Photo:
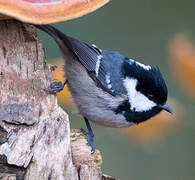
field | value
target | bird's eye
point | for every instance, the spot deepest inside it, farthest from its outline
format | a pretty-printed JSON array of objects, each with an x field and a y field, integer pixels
[{"x": 150, "y": 96}]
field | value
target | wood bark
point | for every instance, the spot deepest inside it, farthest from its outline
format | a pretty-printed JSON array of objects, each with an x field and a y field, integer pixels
[{"x": 35, "y": 138}]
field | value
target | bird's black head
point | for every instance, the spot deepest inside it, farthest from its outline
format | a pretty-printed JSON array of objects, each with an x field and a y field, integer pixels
[
  {"x": 146, "y": 91},
  {"x": 149, "y": 80}
]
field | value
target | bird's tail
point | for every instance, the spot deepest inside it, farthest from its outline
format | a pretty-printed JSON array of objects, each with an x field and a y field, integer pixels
[
  {"x": 53, "y": 32},
  {"x": 61, "y": 39}
]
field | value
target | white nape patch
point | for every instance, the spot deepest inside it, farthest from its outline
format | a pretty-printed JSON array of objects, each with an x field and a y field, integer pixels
[
  {"x": 146, "y": 67},
  {"x": 108, "y": 81},
  {"x": 137, "y": 100},
  {"x": 97, "y": 66}
]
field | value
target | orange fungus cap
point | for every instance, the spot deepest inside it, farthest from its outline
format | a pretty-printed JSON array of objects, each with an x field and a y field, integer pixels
[{"x": 47, "y": 11}]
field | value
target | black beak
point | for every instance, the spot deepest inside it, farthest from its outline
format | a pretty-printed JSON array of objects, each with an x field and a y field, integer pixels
[{"x": 167, "y": 108}]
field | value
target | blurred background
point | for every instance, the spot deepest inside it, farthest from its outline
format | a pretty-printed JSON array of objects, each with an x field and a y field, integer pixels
[{"x": 153, "y": 32}]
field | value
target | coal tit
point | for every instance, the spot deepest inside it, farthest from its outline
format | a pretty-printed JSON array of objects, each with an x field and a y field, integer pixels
[{"x": 108, "y": 88}]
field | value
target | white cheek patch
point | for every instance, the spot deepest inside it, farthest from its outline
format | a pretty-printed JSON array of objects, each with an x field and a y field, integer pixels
[
  {"x": 137, "y": 100},
  {"x": 146, "y": 67}
]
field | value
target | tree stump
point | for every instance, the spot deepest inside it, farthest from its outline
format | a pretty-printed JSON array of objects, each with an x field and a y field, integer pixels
[{"x": 35, "y": 141}]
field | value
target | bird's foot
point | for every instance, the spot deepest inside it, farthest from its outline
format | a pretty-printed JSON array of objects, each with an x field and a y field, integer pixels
[
  {"x": 56, "y": 87},
  {"x": 90, "y": 139}
]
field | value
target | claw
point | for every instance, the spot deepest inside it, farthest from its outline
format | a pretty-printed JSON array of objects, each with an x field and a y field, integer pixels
[
  {"x": 55, "y": 87},
  {"x": 90, "y": 141}
]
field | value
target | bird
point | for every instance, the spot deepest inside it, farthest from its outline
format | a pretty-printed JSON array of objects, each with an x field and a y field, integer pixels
[{"x": 108, "y": 89}]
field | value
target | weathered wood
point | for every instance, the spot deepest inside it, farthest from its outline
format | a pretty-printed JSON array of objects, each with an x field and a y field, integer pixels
[
  {"x": 38, "y": 129},
  {"x": 34, "y": 130},
  {"x": 4, "y": 17},
  {"x": 88, "y": 165}
]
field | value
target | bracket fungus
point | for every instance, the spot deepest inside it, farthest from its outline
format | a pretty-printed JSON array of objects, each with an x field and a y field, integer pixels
[{"x": 47, "y": 11}]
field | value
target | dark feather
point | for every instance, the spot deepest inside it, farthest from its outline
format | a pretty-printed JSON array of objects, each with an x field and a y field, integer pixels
[{"x": 87, "y": 55}]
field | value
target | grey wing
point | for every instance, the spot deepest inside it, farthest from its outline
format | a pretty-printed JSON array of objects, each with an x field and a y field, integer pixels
[
  {"x": 94, "y": 62},
  {"x": 90, "y": 57}
]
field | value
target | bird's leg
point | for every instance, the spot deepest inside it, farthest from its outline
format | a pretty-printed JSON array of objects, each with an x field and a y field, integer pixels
[
  {"x": 89, "y": 135},
  {"x": 55, "y": 88}
]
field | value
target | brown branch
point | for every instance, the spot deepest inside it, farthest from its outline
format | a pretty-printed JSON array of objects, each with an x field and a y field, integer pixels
[{"x": 34, "y": 130}]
